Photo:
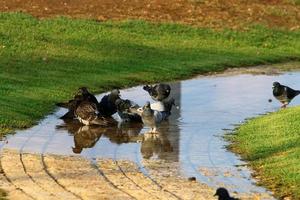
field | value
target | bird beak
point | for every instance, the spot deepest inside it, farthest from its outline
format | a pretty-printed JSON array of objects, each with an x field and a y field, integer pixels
[{"x": 215, "y": 194}]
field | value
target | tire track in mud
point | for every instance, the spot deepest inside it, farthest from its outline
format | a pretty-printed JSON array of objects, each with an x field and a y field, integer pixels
[
  {"x": 131, "y": 180},
  {"x": 23, "y": 164},
  {"x": 30, "y": 177},
  {"x": 45, "y": 168},
  {"x": 116, "y": 163},
  {"x": 101, "y": 173},
  {"x": 143, "y": 170},
  {"x": 10, "y": 181},
  {"x": 6, "y": 176}
]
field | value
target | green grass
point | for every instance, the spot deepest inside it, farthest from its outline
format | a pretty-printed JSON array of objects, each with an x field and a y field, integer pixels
[
  {"x": 45, "y": 61},
  {"x": 272, "y": 145}
]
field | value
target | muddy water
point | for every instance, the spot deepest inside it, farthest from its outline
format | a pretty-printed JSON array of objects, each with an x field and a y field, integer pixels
[{"x": 191, "y": 139}]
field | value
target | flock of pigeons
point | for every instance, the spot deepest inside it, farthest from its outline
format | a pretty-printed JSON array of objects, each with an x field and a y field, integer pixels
[{"x": 87, "y": 110}]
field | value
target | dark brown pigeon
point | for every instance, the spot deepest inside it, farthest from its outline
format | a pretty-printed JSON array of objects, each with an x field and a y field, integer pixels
[
  {"x": 82, "y": 95},
  {"x": 87, "y": 113}
]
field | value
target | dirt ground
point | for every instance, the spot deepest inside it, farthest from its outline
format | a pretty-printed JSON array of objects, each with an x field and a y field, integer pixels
[
  {"x": 34, "y": 176},
  {"x": 31, "y": 176},
  {"x": 206, "y": 13}
]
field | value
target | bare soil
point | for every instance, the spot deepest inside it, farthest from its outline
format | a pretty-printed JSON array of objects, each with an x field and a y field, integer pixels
[
  {"x": 35, "y": 176},
  {"x": 204, "y": 13}
]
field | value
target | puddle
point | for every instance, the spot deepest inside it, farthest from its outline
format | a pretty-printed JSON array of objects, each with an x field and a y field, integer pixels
[{"x": 191, "y": 140}]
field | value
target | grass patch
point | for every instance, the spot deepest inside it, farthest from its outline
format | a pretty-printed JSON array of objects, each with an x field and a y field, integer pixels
[
  {"x": 272, "y": 145},
  {"x": 44, "y": 61}
]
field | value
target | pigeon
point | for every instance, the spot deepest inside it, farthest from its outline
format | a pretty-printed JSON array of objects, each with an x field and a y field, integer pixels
[
  {"x": 82, "y": 94},
  {"x": 83, "y": 91},
  {"x": 152, "y": 118},
  {"x": 284, "y": 94},
  {"x": 123, "y": 107},
  {"x": 223, "y": 194},
  {"x": 107, "y": 106},
  {"x": 87, "y": 113},
  {"x": 164, "y": 106},
  {"x": 158, "y": 92}
]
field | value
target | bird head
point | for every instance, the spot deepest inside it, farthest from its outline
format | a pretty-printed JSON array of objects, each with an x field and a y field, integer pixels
[
  {"x": 114, "y": 95},
  {"x": 147, "y": 105},
  {"x": 276, "y": 84},
  {"x": 82, "y": 91},
  {"x": 222, "y": 192}
]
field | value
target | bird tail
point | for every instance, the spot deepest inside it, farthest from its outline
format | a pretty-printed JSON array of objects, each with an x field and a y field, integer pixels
[
  {"x": 297, "y": 92},
  {"x": 63, "y": 104},
  {"x": 99, "y": 121},
  {"x": 104, "y": 121},
  {"x": 68, "y": 115}
]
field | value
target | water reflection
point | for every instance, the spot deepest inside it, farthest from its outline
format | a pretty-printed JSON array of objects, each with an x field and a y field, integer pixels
[
  {"x": 206, "y": 107},
  {"x": 157, "y": 146},
  {"x": 153, "y": 145}
]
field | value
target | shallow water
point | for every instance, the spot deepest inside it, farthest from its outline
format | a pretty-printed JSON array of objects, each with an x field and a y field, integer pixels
[{"x": 191, "y": 137}]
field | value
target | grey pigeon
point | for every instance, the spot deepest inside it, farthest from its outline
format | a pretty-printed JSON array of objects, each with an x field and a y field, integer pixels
[
  {"x": 82, "y": 95},
  {"x": 223, "y": 194},
  {"x": 284, "y": 94},
  {"x": 87, "y": 113},
  {"x": 152, "y": 118},
  {"x": 123, "y": 109},
  {"x": 158, "y": 92},
  {"x": 107, "y": 106}
]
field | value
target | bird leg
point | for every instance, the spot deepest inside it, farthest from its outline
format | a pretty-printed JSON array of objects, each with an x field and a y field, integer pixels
[
  {"x": 154, "y": 130},
  {"x": 284, "y": 105}
]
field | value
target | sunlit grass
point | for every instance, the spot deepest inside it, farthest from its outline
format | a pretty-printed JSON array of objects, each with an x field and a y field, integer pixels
[
  {"x": 45, "y": 61},
  {"x": 272, "y": 145}
]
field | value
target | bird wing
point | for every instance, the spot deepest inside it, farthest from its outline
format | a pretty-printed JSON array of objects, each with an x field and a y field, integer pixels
[
  {"x": 158, "y": 116},
  {"x": 291, "y": 93},
  {"x": 86, "y": 110}
]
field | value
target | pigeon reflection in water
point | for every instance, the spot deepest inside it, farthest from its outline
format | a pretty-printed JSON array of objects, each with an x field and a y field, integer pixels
[
  {"x": 124, "y": 133},
  {"x": 84, "y": 136},
  {"x": 156, "y": 145}
]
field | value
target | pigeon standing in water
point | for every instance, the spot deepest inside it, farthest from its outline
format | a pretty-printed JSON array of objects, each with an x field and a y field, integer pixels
[
  {"x": 158, "y": 92},
  {"x": 82, "y": 95},
  {"x": 284, "y": 94},
  {"x": 123, "y": 108},
  {"x": 88, "y": 114},
  {"x": 152, "y": 118},
  {"x": 223, "y": 194},
  {"x": 107, "y": 106}
]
